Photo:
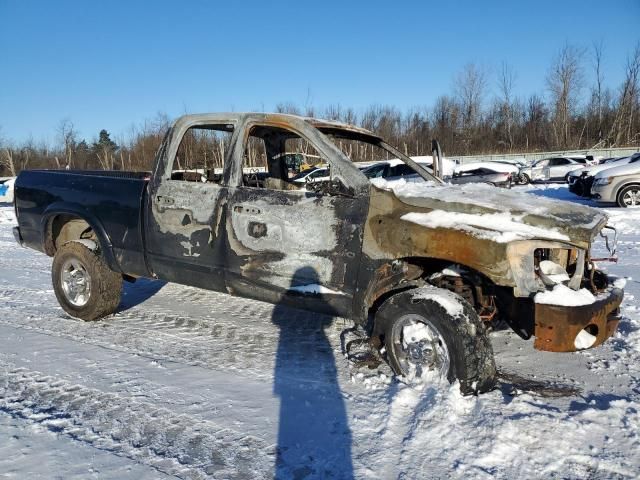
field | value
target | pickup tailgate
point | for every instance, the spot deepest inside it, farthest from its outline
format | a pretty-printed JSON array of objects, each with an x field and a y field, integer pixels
[{"x": 110, "y": 201}]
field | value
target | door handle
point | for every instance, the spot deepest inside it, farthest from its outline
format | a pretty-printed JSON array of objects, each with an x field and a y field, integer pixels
[
  {"x": 165, "y": 200},
  {"x": 243, "y": 209}
]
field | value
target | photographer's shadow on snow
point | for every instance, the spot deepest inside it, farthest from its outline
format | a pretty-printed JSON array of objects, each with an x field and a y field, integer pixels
[
  {"x": 314, "y": 439},
  {"x": 138, "y": 292}
]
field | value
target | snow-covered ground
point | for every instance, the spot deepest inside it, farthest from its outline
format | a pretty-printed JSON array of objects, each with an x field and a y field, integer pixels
[{"x": 188, "y": 383}]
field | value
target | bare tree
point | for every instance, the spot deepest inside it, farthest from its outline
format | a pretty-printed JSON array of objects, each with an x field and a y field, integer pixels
[
  {"x": 7, "y": 160},
  {"x": 6, "y": 156},
  {"x": 597, "y": 90},
  {"x": 506, "y": 82},
  {"x": 564, "y": 80},
  {"x": 623, "y": 126},
  {"x": 470, "y": 88},
  {"x": 68, "y": 137}
]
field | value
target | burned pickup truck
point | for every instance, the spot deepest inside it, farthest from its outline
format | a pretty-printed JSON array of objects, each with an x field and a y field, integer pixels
[{"x": 424, "y": 268}]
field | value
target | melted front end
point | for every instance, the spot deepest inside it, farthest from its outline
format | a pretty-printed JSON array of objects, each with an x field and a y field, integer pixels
[{"x": 579, "y": 308}]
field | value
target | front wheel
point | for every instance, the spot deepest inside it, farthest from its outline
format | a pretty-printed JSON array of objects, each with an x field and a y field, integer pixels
[
  {"x": 523, "y": 179},
  {"x": 83, "y": 283},
  {"x": 432, "y": 329},
  {"x": 629, "y": 196}
]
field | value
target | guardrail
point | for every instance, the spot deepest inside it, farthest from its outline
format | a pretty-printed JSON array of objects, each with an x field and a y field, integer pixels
[{"x": 531, "y": 156}]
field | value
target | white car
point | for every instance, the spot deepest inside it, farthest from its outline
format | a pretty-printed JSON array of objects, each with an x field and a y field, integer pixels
[
  {"x": 312, "y": 175},
  {"x": 619, "y": 184},
  {"x": 581, "y": 179},
  {"x": 6, "y": 189},
  {"x": 478, "y": 172},
  {"x": 551, "y": 169}
]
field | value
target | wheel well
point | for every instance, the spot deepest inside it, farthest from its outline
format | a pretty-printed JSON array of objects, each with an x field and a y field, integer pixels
[
  {"x": 63, "y": 228},
  {"x": 631, "y": 184},
  {"x": 481, "y": 287}
]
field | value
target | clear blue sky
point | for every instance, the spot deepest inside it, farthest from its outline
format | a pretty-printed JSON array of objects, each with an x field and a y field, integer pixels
[{"x": 114, "y": 64}]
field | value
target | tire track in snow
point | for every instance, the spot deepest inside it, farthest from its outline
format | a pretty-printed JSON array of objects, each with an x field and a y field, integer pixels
[
  {"x": 212, "y": 341},
  {"x": 177, "y": 444}
]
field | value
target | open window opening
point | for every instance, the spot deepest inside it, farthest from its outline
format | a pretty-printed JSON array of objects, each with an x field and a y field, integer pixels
[
  {"x": 201, "y": 154},
  {"x": 279, "y": 159},
  {"x": 376, "y": 159}
]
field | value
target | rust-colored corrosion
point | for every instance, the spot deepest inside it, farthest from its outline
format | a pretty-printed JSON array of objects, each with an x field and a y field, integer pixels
[
  {"x": 556, "y": 327},
  {"x": 388, "y": 277}
]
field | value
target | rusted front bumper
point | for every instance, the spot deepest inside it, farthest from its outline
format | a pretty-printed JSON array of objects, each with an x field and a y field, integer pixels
[{"x": 556, "y": 327}]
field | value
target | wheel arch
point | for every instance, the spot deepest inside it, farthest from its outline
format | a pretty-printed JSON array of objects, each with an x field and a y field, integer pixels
[
  {"x": 633, "y": 183},
  {"x": 58, "y": 216},
  {"x": 400, "y": 275}
]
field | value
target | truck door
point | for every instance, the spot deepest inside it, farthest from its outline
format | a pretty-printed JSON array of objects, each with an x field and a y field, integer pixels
[
  {"x": 289, "y": 242},
  {"x": 186, "y": 204}
]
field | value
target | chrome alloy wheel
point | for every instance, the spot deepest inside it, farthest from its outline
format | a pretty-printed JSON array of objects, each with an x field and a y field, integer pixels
[
  {"x": 76, "y": 282},
  {"x": 631, "y": 197},
  {"x": 420, "y": 347}
]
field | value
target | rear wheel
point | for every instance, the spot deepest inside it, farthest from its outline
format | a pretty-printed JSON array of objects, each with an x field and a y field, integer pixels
[
  {"x": 629, "y": 197},
  {"x": 83, "y": 283},
  {"x": 430, "y": 329}
]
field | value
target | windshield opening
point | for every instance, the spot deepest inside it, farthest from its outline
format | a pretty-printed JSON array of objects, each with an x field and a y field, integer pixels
[{"x": 367, "y": 152}]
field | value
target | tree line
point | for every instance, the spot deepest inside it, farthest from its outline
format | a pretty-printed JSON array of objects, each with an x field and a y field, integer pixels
[{"x": 480, "y": 115}]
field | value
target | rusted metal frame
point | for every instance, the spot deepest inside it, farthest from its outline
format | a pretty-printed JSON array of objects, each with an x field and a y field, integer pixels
[
  {"x": 341, "y": 167},
  {"x": 177, "y": 132}
]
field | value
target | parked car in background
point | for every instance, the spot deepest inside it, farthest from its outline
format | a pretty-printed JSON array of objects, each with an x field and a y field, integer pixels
[
  {"x": 470, "y": 173},
  {"x": 619, "y": 184},
  {"x": 6, "y": 189},
  {"x": 392, "y": 170},
  {"x": 581, "y": 180},
  {"x": 495, "y": 166},
  {"x": 311, "y": 175},
  {"x": 493, "y": 173},
  {"x": 608, "y": 160},
  {"x": 554, "y": 169},
  {"x": 519, "y": 161}
]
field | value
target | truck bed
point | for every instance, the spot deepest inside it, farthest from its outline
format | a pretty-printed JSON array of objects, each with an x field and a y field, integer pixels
[{"x": 111, "y": 202}]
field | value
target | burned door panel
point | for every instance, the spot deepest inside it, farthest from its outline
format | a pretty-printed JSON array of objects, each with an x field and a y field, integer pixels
[
  {"x": 182, "y": 235},
  {"x": 294, "y": 244}
]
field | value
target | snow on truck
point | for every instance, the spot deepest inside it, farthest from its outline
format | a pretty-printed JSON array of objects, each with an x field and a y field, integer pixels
[{"x": 423, "y": 267}]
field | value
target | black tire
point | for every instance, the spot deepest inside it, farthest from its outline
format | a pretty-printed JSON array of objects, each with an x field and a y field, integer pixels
[
  {"x": 566, "y": 178},
  {"x": 579, "y": 188},
  {"x": 464, "y": 334},
  {"x": 523, "y": 179},
  {"x": 105, "y": 286},
  {"x": 629, "y": 189}
]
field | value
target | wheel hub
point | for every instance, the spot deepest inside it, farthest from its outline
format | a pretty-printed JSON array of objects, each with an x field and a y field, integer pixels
[
  {"x": 632, "y": 198},
  {"x": 76, "y": 283},
  {"x": 422, "y": 347}
]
